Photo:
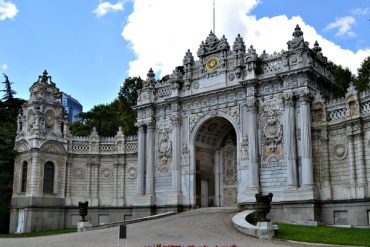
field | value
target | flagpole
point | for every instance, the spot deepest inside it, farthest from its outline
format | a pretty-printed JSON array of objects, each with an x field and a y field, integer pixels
[{"x": 214, "y": 13}]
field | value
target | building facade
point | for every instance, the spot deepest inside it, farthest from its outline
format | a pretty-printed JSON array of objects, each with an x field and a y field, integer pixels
[
  {"x": 71, "y": 106},
  {"x": 221, "y": 129}
]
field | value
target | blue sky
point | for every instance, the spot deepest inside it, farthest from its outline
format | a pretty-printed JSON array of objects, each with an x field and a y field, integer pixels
[{"x": 91, "y": 46}]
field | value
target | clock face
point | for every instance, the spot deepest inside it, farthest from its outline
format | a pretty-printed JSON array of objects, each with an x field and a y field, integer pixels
[{"x": 212, "y": 63}]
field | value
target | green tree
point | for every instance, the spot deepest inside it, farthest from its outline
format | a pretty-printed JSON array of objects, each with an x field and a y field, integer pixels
[
  {"x": 109, "y": 117},
  {"x": 8, "y": 91},
  {"x": 363, "y": 78},
  {"x": 9, "y": 110},
  {"x": 129, "y": 90},
  {"x": 342, "y": 77}
]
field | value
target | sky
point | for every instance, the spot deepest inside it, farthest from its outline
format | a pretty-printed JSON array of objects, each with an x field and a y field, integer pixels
[{"x": 89, "y": 46}]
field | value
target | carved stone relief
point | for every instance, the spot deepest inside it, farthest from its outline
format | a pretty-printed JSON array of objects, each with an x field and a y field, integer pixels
[
  {"x": 106, "y": 173},
  {"x": 185, "y": 159},
  {"x": 340, "y": 151},
  {"x": 165, "y": 146},
  {"x": 78, "y": 172},
  {"x": 272, "y": 131},
  {"x": 131, "y": 171},
  {"x": 164, "y": 151},
  {"x": 229, "y": 197},
  {"x": 229, "y": 173},
  {"x": 244, "y": 145}
]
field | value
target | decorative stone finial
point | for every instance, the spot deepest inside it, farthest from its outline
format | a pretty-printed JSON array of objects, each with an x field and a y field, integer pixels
[
  {"x": 188, "y": 59},
  {"x": 239, "y": 45},
  {"x": 297, "y": 41},
  {"x": 150, "y": 75},
  {"x": 297, "y": 32},
  {"x": 44, "y": 77},
  {"x": 316, "y": 47}
]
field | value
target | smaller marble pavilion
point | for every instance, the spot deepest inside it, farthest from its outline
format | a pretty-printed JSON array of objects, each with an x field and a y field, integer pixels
[{"x": 223, "y": 127}]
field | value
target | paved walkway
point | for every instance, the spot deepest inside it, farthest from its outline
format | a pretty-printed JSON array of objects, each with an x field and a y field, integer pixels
[{"x": 209, "y": 227}]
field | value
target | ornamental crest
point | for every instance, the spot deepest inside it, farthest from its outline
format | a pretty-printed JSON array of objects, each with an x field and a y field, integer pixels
[
  {"x": 245, "y": 147},
  {"x": 165, "y": 146},
  {"x": 272, "y": 131}
]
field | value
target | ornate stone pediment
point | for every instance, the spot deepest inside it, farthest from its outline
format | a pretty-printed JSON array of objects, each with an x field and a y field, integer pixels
[
  {"x": 52, "y": 147},
  {"x": 22, "y": 146}
]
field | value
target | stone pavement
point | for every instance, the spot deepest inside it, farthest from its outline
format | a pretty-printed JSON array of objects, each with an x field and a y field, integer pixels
[{"x": 202, "y": 227}]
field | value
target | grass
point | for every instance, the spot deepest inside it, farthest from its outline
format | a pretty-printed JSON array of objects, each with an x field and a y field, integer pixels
[
  {"x": 324, "y": 234},
  {"x": 38, "y": 234}
]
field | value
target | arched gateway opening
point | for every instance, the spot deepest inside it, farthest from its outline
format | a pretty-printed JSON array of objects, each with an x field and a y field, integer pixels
[{"x": 215, "y": 164}]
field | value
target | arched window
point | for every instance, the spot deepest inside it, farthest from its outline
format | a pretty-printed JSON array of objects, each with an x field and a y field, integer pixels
[
  {"x": 24, "y": 176},
  {"x": 49, "y": 177}
]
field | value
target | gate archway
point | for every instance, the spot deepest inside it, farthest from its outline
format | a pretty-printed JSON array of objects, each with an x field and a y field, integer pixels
[{"x": 214, "y": 162}]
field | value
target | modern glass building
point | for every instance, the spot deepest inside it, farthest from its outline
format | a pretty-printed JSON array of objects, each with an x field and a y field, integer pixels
[{"x": 71, "y": 106}]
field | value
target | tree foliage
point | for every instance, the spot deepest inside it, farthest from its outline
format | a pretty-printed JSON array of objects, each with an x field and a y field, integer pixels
[
  {"x": 343, "y": 77},
  {"x": 9, "y": 110},
  {"x": 363, "y": 76},
  {"x": 8, "y": 91},
  {"x": 107, "y": 118}
]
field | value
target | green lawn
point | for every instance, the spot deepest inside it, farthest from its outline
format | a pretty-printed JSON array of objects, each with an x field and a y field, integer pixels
[
  {"x": 37, "y": 234},
  {"x": 324, "y": 234}
]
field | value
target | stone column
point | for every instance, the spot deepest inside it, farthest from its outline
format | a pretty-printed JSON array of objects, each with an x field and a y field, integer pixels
[
  {"x": 34, "y": 179},
  {"x": 218, "y": 177},
  {"x": 150, "y": 158},
  {"x": 306, "y": 140},
  {"x": 351, "y": 158},
  {"x": 115, "y": 184},
  {"x": 176, "y": 153},
  {"x": 361, "y": 169},
  {"x": 141, "y": 160},
  {"x": 290, "y": 141},
  {"x": 253, "y": 145},
  {"x": 95, "y": 180},
  {"x": 89, "y": 172},
  {"x": 68, "y": 180}
]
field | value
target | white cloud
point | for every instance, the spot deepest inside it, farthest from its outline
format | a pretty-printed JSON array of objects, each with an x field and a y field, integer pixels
[
  {"x": 344, "y": 26},
  {"x": 8, "y": 10},
  {"x": 160, "y": 32},
  {"x": 106, "y": 7},
  {"x": 4, "y": 66},
  {"x": 360, "y": 11}
]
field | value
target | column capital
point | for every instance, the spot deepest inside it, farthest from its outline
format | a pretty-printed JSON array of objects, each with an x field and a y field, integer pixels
[
  {"x": 289, "y": 98},
  {"x": 150, "y": 124},
  {"x": 251, "y": 104},
  {"x": 176, "y": 119},
  {"x": 305, "y": 96}
]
